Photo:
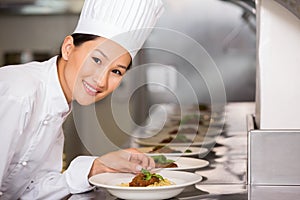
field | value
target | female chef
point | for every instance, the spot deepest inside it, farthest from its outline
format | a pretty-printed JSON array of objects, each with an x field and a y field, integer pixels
[{"x": 35, "y": 100}]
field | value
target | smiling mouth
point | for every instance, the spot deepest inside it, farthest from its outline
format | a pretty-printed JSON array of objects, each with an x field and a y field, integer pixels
[{"x": 90, "y": 89}]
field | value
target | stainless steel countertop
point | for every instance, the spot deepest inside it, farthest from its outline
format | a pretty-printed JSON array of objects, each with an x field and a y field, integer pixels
[{"x": 226, "y": 176}]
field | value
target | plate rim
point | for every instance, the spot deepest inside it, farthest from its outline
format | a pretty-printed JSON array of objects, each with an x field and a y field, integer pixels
[
  {"x": 206, "y": 163},
  {"x": 210, "y": 141},
  {"x": 193, "y": 153},
  {"x": 197, "y": 177}
]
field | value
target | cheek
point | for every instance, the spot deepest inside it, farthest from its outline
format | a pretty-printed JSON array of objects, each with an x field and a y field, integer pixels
[
  {"x": 114, "y": 83},
  {"x": 71, "y": 75},
  {"x": 85, "y": 70},
  {"x": 74, "y": 68}
]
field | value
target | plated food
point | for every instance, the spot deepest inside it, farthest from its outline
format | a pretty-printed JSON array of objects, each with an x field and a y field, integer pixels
[
  {"x": 175, "y": 151},
  {"x": 162, "y": 161},
  {"x": 112, "y": 181},
  {"x": 166, "y": 149},
  {"x": 186, "y": 163},
  {"x": 186, "y": 140},
  {"x": 189, "y": 119},
  {"x": 147, "y": 179},
  {"x": 210, "y": 131},
  {"x": 180, "y": 138},
  {"x": 179, "y": 163},
  {"x": 184, "y": 130}
]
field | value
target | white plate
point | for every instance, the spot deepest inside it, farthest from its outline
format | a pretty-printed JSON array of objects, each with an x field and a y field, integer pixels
[
  {"x": 195, "y": 151},
  {"x": 181, "y": 129},
  {"x": 210, "y": 131},
  {"x": 222, "y": 189},
  {"x": 185, "y": 163},
  {"x": 204, "y": 130},
  {"x": 215, "y": 123},
  {"x": 156, "y": 140},
  {"x": 110, "y": 181}
]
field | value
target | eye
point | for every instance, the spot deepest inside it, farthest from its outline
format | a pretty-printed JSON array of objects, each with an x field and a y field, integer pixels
[
  {"x": 97, "y": 60},
  {"x": 116, "y": 71}
]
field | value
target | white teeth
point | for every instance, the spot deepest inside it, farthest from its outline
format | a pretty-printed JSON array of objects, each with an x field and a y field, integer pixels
[{"x": 89, "y": 87}]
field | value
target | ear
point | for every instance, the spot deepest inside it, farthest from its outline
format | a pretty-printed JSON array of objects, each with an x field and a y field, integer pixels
[{"x": 67, "y": 47}]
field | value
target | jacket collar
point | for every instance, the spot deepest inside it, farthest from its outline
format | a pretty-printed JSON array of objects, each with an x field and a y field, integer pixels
[{"x": 58, "y": 101}]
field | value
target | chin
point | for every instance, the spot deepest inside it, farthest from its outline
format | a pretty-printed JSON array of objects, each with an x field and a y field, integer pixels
[{"x": 85, "y": 102}]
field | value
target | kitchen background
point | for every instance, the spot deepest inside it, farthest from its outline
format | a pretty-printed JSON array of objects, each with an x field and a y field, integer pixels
[{"x": 34, "y": 30}]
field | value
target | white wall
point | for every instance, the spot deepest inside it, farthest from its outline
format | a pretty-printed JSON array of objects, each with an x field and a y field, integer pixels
[{"x": 278, "y": 70}]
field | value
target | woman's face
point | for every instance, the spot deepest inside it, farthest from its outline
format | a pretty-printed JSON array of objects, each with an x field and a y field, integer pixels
[{"x": 94, "y": 69}]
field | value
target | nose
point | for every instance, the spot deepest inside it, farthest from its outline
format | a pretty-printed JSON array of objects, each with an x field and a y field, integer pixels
[{"x": 101, "y": 79}]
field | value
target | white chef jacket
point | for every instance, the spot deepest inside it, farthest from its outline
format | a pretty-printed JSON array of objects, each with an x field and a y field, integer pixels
[{"x": 32, "y": 110}]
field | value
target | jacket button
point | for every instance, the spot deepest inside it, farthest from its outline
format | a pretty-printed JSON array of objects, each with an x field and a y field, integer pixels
[
  {"x": 45, "y": 122},
  {"x": 24, "y": 163}
]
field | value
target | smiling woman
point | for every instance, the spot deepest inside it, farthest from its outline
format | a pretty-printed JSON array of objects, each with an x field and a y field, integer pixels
[
  {"x": 35, "y": 99},
  {"x": 90, "y": 71}
]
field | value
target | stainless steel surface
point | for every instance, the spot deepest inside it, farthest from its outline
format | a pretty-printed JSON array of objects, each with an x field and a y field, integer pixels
[
  {"x": 273, "y": 156},
  {"x": 274, "y": 192},
  {"x": 225, "y": 177}
]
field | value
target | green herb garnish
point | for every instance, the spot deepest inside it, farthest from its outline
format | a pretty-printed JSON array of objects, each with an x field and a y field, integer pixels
[
  {"x": 158, "y": 176},
  {"x": 148, "y": 175},
  {"x": 161, "y": 159},
  {"x": 188, "y": 118},
  {"x": 181, "y": 138},
  {"x": 188, "y": 151}
]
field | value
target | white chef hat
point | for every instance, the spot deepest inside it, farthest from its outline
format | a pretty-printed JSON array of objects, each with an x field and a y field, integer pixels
[{"x": 127, "y": 22}]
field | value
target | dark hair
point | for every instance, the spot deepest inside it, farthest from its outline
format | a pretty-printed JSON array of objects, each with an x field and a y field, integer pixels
[{"x": 80, "y": 38}]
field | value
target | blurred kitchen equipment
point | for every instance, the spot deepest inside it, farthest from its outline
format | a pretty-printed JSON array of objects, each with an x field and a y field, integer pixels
[
  {"x": 248, "y": 19},
  {"x": 19, "y": 57},
  {"x": 40, "y": 7}
]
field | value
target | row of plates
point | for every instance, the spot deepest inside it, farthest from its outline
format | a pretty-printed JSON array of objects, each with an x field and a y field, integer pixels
[
  {"x": 196, "y": 141},
  {"x": 181, "y": 175}
]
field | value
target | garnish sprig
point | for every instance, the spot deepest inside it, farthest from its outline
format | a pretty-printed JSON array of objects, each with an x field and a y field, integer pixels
[{"x": 148, "y": 175}]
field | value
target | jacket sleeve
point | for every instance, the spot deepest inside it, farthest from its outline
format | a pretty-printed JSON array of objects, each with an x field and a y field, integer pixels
[
  {"x": 51, "y": 183},
  {"x": 13, "y": 112}
]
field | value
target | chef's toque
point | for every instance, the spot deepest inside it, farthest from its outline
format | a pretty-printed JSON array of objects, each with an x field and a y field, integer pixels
[{"x": 126, "y": 22}]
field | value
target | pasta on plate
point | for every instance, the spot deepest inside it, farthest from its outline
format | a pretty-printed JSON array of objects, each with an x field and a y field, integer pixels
[{"x": 147, "y": 179}]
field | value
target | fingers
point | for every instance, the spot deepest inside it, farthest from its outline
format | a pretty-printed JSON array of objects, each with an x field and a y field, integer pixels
[
  {"x": 145, "y": 161},
  {"x": 128, "y": 160},
  {"x": 133, "y": 150}
]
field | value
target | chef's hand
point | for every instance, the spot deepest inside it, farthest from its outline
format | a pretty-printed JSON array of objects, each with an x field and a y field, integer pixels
[{"x": 127, "y": 160}]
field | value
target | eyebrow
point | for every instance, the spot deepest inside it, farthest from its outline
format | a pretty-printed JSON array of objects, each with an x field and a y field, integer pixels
[
  {"x": 102, "y": 53},
  {"x": 122, "y": 66},
  {"x": 105, "y": 56}
]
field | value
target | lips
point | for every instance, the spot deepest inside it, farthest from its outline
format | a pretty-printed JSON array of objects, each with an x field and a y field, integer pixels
[{"x": 90, "y": 89}]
